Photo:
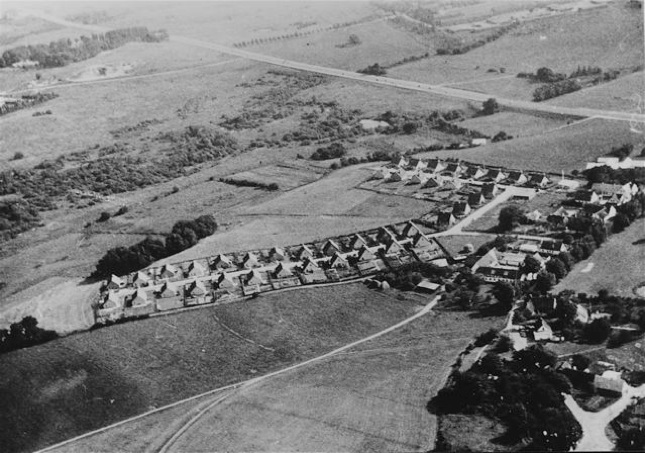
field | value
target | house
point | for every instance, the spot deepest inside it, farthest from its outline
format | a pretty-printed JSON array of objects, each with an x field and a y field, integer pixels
[
  {"x": 400, "y": 161},
  {"x": 417, "y": 179},
  {"x": 478, "y": 142},
  {"x": 169, "y": 271},
  {"x": 115, "y": 282},
  {"x": 420, "y": 241},
  {"x": 453, "y": 169},
  {"x": 552, "y": 247},
  {"x": 110, "y": 302},
  {"x": 432, "y": 182},
  {"x": 561, "y": 215},
  {"x": 613, "y": 193},
  {"x": 382, "y": 173},
  {"x": 277, "y": 254},
  {"x": 534, "y": 216},
  {"x": 489, "y": 190},
  {"x": 543, "y": 332},
  {"x": 528, "y": 247},
  {"x": 338, "y": 261},
  {"x": 222, "y": 262},
  {"x": 225, "y": 282},
  {"x": 167, "y": 290},
  {"x": 137, "y": 299},
  {"x": 474, "y": 172},
  {"x": 331, "y": 247},
  {"x": 569, "y": 184},
  {"x": 446, "y": 219},
  {"x": 250, "y": 260},
  {"x": 393, "y": 248},
  {"x": 435, "y": 165},
  {"x": 495, "y": 175},
  {"x": 609, "y": 383},
  {"x": 253, "y": 278},
  {"x": 384, "y": 235},
  {"x": 140, "y": 279},
  {"x": 417, "y": 164},
  {"x": 281, "y": 271},
  {"x": 410, "y": 230},
  {"x": 195, "y": 270},
  {"x": 309, "y": 267},
  {"x": 587, "y": 196},
  {"x": 461, "y": 209},
  {"x": 365, "y": 254},
  {"x": 357, "y": 242},
  {"x": 426, "y": 286},
  {"x": 476, "y": 199},
  {"x": 304, "y": 252},
  {"x": 452, "y": 185},
  {"x": 539, "y": 180},
  {"x": 497, "y": 266},
  {"x": 397, "y": 176},
  {"x": 516, "y": 178},
  {"x": 600, "y": 212},
  {"x": 195, "y": 289}
]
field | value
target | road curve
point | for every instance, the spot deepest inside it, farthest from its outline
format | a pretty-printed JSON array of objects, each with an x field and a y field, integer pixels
[{"x": 376, "y": 80}]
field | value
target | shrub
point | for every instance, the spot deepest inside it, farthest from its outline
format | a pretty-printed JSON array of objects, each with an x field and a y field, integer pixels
[
  {"x": 122, "y": 210},
  {"x": 18, "y": 155},
  {"x": 104, "y": 217}
]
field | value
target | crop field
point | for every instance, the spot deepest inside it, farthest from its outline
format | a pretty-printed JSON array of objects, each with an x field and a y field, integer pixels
[
  {"x": 607, "y": 37},
  {"x": 380, "y": 43},
  {"x": 565, "y": 149},
  {"x": 623, "y": 94},
  {"x": 504, "y": 87},
  {"x": 88, "y": 380},
  {"x": 371, "y": 398},
  {"x": 286, "y": 177},
  {"x": 513, "y": 123},
  {"x": 617, "y": 266}
]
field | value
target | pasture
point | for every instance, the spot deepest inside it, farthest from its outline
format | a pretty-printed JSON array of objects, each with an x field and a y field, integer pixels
[
  {"x": 618, "y": 265},
  {"x": 85, "y": 381},
  {"x": 285, "y": 176},
  {"x": 513, "y": 123},
  {"x": 370, "y": 398}
]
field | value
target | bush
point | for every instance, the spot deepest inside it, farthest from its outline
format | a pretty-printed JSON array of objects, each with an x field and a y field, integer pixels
[
  {"x": 333, "y": 151},
  {"x": 122, "y": 210},
  {"x": 104, "y": 217},
  {"x": 374, "y": 69},
  {"x": 597, "y": 331},
  {"x": 486, "y": 338},
  {"x": 18, "y": 155}
]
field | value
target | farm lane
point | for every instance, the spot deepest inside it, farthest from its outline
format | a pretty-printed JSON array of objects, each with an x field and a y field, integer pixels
[{"x": 377, "y": 80}]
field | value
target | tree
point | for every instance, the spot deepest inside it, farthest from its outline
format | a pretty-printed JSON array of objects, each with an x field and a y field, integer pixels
[
  {"x": 531, "y": 265},
  {"x": 631, "y": 439},
  {"x": 490, "y": 106},
  {"x": 544, "y": 281},
  {"x": 509, "y": 217},
  {"x": 557, "y": 268},
  {"x": 597, "y": 330},
  {"x": 105, "y": 216},
  {"x": 533, "y": 358},
  {"x": 491, "y": 364},
  {"x": 354, "y": 40},
  {"x": 410, "y": 127},
  {"x": 505, "y": 294},
  {"x": 621, "y": 221},
  {"x": 580, "y": 362}
]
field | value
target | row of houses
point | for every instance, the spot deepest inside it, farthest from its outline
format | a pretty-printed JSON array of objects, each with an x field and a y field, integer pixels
[
  {"x": 221, "y": 279},
  {"x": 616, "y": 164}
]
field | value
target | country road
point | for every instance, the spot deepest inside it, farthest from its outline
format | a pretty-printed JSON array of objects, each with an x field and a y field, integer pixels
[{"x": 376, "y": 80}]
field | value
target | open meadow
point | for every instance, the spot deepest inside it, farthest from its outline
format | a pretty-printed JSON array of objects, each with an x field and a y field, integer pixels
[
  {"x": 370, "y": 398},
  {"x": 89, "y": 380},
  {"x": 617, "y": 266}
]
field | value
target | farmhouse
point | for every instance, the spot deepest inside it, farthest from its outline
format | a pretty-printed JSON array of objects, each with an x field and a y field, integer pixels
[
  {"x": 603, "y": 213},
  {"x": 613, "y": 193},
  {"x": 552, "y": 247},
  {"x": 497, "y": 266},
  {"x": 222, "y": 262},
  {"x": 543, "y": 332},
  {"x": 115, "y": 282}
]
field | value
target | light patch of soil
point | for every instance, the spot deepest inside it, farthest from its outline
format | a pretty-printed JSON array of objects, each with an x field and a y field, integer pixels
[{"x": 99, "y": 72}]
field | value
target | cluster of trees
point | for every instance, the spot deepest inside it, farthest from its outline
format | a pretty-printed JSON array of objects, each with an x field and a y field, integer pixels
[
  {"x": 331, "y": 123},
  {"x": 26, "y": 100},
  {"x": 501, "y": 136},
  {"x": 246, "y": 183},
  {"x": 333, "y": 151},
  {"x": 543, "y": 75},
  {"x": 352, "y": 41},
  {"x": 621, "y": 152},
  {"x": 490, "y": 106},
  {"x": 407, "y": 276},
  {"x": 17, "y": 216},
  {"x": 376, "y": 156},
  {"x": 552, "y": 90},
  {"x": 628, "y": 212},
  {"x": 607, "y": 174},
  {"x": 184, "y": 234},
  {"x": 406, "y": 60},
  {"x": 24, "y": 334},
  {"x": 583, "y": 71},
  {"x": 444, "y": 121},
  {"x": 525, "y": 394},
  {"x": 458, "y": 46},
  {"x": 65, "y": 51},
  {"x": 375, "y": 70}
]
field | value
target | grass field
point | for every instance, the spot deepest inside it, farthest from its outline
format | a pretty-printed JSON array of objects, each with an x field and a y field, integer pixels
[
  {"x": 286, "y": 177},
  {"x": 513, "y": 123},
  {"x": 565, "y": 149},
  {"x": 88, "y": 380},
  {"x": 371, "y": 398},
  {"x": 618, "y": 265},
  {"x": 455, "y": 244}
]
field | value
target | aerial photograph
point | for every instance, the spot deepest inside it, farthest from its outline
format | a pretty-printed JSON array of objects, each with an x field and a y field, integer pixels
[{"x": 322, "y": 226}]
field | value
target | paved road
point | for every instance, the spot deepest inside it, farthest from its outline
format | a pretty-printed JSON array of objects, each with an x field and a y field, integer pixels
[
  {"x": 376, "y": 80},
  {"x": 594, "y": 423}
]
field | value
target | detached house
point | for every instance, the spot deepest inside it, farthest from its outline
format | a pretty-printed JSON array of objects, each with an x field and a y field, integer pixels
[
  {"x": 552, "y": 247},
  {"x": 539, "y": 180},
  {"x": 224, "y": 281},
  {"x": 115, "y": 282},
  {"x": 417, "y": 164},
  {"x": 167, "y": 290},
  {"x": 365, "y": 254},
  {"x": 410, "y": 230},
  {"x": 490, "y": 190},
  {"x": 277, "y": 254},
  {"x": 305, "y": 252},
  {"x": 169, "y": 271},
  {"x": 516, "y": 178},
  {"x": 331, "y": 247},
  {"x": 337, "y": 261},
  {"x": 476, "y": 199},
  {"x": 446, "y": 219},
  {"x": 435, "y": 166},
  {"x": 357, "y": 242},
  {"x": 417, "y": 179},
  {"x": 461, "y": 209},
  {"x": 603, "y": 213},
  {"x": 543, "y": 331},
  {"x": 195, "y": 289},
  {"x": 587, "y": 196},
  {"x": 474, "y": 172},
  {"x": 195, "y": 270},
  {"x": 250, "y": 261},
  {"x": 138, "y": 298},
  {"x": 222, "y": 262},
  {"x": 110, "y": 303},
  {"x": 140, "y": 279},
  {"x": 253, "y": 278},
  {"x": 282, "y": 272},
  {"x": 495, "y": 175},
  {"x": 309, "y": 267},
  {"x": 393, "y": 247},
  {"x": 433, "y": 182}
]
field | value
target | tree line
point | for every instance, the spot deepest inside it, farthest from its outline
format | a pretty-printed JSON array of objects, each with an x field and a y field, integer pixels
[
  {"x": 65, "y": 51},
  {"x": 184, "y": 234},
  {"x": 25, "y": 101},
  {"x": 24, "y": 334}
]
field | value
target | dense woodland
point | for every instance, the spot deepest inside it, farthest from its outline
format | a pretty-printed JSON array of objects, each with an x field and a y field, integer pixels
[{"x": 66, "y": 51}]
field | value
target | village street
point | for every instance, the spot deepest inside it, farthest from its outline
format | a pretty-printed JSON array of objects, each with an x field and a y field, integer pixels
[{"x": 594, "y": 424}]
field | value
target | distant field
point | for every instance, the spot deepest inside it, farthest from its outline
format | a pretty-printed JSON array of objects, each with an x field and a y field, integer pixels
[
  {"x": 86, "y": 381},
  {"x": 564, "y": 149},
  {"x": 392, "y": 206},
  {"x": 507, "y": 88},
  {"x": 286, "y": 177},
  {"x": 513, "y": 123},
  {"x": 380, "y": 43},
  {"x": 371, "y": 398},
  {"x": 617, "y": 266}
]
